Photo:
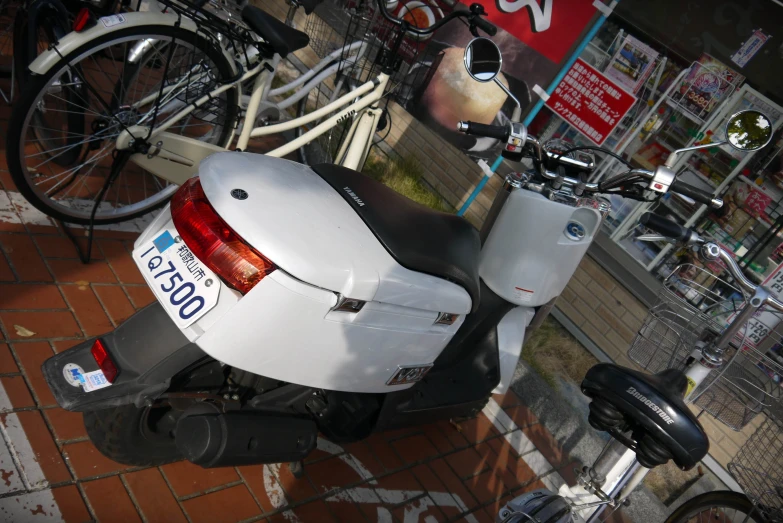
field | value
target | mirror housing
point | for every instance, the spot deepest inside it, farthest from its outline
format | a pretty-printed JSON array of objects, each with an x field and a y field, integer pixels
[
  {"x": 483, "y": 62},
  {"x": 746, "y": 130}
]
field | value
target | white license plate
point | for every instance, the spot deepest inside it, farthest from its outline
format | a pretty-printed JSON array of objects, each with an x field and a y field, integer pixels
[{"x": 181, "y": 283}]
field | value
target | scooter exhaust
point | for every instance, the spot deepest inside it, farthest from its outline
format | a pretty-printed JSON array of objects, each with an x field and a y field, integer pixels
[{"x": 210, "y": 438}]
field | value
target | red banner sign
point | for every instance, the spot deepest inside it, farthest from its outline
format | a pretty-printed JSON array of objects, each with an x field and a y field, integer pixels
[
  {"x": 590, "y": 102},
  {"x": 549, "y": 27},
  {"x": 757, "y": 202}
]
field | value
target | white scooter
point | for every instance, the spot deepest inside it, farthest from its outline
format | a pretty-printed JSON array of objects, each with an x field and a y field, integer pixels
[{"x": 293, "y": 300}]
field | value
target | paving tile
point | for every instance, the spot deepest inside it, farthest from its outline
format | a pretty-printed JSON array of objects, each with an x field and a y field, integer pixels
[
  {"x": 7, "y": 363},
  {"x": 30, "y": 296},
  {"x": 14, "y": 394},
  {"x": 414, "y": 448},
  {"x": 477, "y": 429},
  {"x": 73, "y": 271},
  {"x": 153, "y": 497},
  {"x": 115, "y": 302},
  {"x": 24, "y": 257},
  {"x": 110, "y": 501},
  {"x": 62, "y": 247},
  {"x": 6, "y": 274},
  {"x": 437, "y": 438},
  {"x": 509, "y": 399},
  {"x": 418, "y": 510},
  {"x": 67, "y": 425},
  {"x": 331, "y": 474},
  {"x": 224, "y": 506},
  {"x": 87, "y": 461},
  {"x": 486, "y": 486},
  {"x": 262, "y": 481},
  {"x": 521, "y": 415},
  {"x": 63, "y": 345},
  {"x": 501, "y": 462},
  {"x": 71, "y": 504},
  {"x": 314, "y": 511},
  {"x": 479, "y": 515},
  {"x": 402, "y": 480},
  {"x": 537, "y": 462},
  {"x": 39, "y": 507},
  {"x": 364, "y": 456},
  {"x": 140, "y": 296},
  {"x": 186, "y": 478},
  {"x": 438, "y": 492},
  {"x": 345, "y": 510},
  {"x": 88, "y": 309},
  {"x": 384, "y": 452},
  {"x": 121, "y": 261},
  {"x": 35, "y": 448},
  {"x": 466, "y": 462},
  {"x": 453, "y": 483},
  {"x": 49, "y": 324},
  {"x": 494, "y": 508},
  {"x": 452, "y": 433},
  {"x": 520, "y": 471},
  {"x": 31, "y": 356},
  {"x": 296, "y": 489}
]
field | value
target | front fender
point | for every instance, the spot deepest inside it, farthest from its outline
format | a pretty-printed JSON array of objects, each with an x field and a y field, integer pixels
[
  {"x": 106, "y": 25},
  {"x": 511, "y": 336}
]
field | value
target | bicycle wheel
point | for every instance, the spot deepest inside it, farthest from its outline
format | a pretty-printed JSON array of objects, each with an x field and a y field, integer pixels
[
  {"x": 135, "y": 76},
  {"x": 323, "y": 149},
  {"x": 717, "y": 507}
]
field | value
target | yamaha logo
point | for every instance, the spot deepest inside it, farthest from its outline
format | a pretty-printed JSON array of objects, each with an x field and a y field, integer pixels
[
  {"x": 355, "y": 198},
  {"x": 239, "y": 194}
]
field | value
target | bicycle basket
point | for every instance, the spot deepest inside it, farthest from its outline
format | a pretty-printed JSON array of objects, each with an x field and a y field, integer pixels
[
  {"x": 758, "y": 468},
  {"x": 694, "y": 307},
  {"x": 327, "y": 25}
]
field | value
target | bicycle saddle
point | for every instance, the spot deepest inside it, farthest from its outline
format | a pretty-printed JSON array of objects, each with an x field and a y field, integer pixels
[
  {"x": 282, "y": 38},
  {"x": 652, "y": 407},
  {"x": 420, "y": 239},
  {"x": 309, "y": 5}
]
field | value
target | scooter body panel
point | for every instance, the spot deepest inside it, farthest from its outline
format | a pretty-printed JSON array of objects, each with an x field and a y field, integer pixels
[{"x": 297, "y": 220}]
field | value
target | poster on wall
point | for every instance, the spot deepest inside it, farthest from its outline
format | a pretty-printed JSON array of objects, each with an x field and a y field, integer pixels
[
  {"x": 707, "y": 83},
  {"x": 592, "y": 103},
  {"x": 749, "y": 49},
  {"x": 532, "y": 47},
  {"x": 631, "y": 64}
]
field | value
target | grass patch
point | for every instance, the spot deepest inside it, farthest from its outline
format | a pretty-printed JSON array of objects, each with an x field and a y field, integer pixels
[
  {"x": 404, "y": 176},
  {"x": 552, "y": 352}
]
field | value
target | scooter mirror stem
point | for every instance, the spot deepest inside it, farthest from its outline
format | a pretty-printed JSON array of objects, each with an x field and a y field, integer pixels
[
  {"x": 517, "y": 114},
  {"x": 673, "y": 156}
]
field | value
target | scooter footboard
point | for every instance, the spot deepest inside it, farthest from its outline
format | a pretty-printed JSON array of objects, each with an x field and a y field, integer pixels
[{"x": 148, "y": 349}]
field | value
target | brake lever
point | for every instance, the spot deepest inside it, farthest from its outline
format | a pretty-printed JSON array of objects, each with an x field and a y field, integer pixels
[{"x": 653, "y": 238}]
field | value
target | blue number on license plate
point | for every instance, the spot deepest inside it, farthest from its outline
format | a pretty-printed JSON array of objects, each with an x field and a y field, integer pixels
[{"x": 180, "y": 292}]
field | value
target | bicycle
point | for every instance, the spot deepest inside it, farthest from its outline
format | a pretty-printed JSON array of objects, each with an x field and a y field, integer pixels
[
  {"x": 162, "y": 93},
  {"x": 695, "y": 351}
]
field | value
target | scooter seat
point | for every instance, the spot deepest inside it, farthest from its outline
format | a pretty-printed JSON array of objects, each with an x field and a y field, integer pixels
[
  {"x": 420, "y": 239},
  {"x": 282, "y": 38}
]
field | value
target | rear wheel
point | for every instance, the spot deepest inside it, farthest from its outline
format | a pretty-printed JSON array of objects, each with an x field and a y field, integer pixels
[
  {"x": 717, "y": 507},
  {"x": 62, "y": 133},
  {"x": 140, "y": 437}
]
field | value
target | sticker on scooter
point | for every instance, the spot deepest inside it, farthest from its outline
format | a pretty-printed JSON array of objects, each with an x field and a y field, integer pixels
[
  {"x": 95, "y": 380},
  {"x": 73, "y": 374},
  {"x": 405, "y": 375},
  {"x": 110, "y": 21},
  {"x": 164, "y": 241}
]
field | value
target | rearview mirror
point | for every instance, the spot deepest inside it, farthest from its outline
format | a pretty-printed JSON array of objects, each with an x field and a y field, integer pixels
[
  {"x": 748, "y": 130},
  {"x": 483, "y": 60}
]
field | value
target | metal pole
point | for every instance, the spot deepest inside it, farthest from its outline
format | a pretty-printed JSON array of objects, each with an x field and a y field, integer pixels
[{"x": 532, "y": 114}]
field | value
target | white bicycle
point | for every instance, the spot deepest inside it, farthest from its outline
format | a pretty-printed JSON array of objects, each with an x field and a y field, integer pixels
[{"x": 120, "y": 114}]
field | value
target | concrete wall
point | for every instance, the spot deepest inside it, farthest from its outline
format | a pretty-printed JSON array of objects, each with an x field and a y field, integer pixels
[{"x": 593, "y": 300}]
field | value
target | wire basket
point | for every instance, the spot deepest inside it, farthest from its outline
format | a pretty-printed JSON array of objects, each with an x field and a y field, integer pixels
[
  {"x": 327, "y": 25},
  {"x": 693, "y": 308},
  {"x": 758, "y": 468}
]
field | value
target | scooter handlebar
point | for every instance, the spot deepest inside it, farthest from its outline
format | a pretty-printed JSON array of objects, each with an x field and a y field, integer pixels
[
  {"x": 665, "y": 227},
  {"x": 697, "y": 194},
  {"x": 499, "y": 132}
]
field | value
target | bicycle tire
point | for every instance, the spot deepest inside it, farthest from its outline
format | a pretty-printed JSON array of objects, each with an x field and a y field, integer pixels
[
  {"x": 29, "y": 180},
  {"x": 715, "y": 503}
]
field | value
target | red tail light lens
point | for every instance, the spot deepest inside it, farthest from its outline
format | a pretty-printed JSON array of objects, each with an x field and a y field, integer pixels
[
  {"x": 213, "y": 242},
  {"x": 103, "y": 360},
  {"x": 82, "y": 20}
]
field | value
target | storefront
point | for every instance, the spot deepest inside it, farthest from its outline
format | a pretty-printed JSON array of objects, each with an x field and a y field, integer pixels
[{"x": 685, "y": 91}]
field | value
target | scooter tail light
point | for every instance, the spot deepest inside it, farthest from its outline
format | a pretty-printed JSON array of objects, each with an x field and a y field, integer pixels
[
  {"x": 102, "y": 358},
  {"x": 213, "y": 242}
]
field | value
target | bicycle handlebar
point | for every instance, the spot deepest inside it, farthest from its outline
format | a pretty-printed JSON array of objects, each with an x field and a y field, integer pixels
[{"x": 473, "y": 14}]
